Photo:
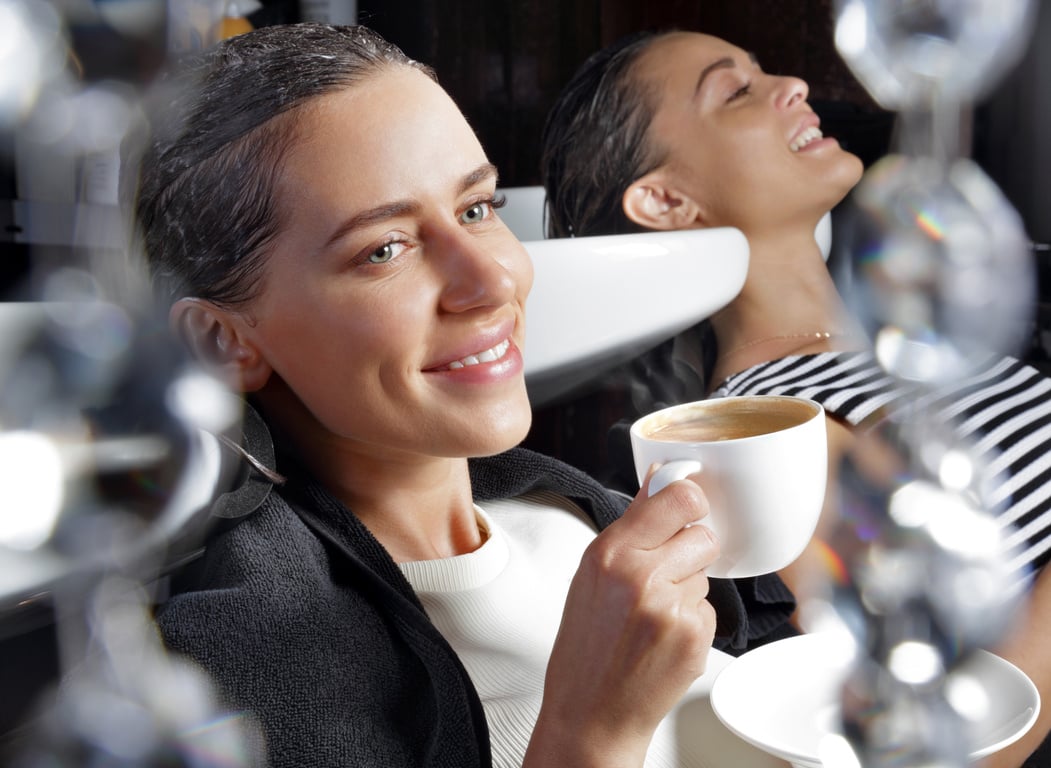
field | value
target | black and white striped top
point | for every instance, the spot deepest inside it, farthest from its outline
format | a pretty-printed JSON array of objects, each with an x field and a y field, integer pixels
[{"x": 1004, "y": 410}]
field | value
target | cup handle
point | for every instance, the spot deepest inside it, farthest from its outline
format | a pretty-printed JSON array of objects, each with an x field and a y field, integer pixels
[{"x": 671, "y": 471}]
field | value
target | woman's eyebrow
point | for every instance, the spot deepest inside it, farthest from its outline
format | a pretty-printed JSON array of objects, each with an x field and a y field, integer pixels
[
  {"x": 726, "y": 62},
  {"x": 484, "y": 172},
  {"x": 371, "y": 216},
  {"x": 397, "y": 208}
]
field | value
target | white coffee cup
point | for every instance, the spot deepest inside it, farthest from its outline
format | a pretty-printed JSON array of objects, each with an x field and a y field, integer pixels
[{"x": 763, "y": 464}]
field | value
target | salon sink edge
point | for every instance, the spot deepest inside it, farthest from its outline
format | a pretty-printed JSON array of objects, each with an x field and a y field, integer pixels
[{"x": 597, "y": 301}]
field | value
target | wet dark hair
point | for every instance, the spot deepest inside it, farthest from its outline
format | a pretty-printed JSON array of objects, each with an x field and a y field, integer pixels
[
  {"x": 595, "y": 142},
  {"x": 218, "y": 128}
]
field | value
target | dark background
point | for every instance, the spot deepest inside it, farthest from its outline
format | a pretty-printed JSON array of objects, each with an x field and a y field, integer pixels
[{"x": 505, "y": 62}]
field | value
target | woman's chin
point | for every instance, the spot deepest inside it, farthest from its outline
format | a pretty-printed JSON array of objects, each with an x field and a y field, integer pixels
[
  {"x": 503, "y": 432},
  {"x": 852, "y": 173},
  {"x": 839, "y": 189},
  {"x": 513, "y": 436}
]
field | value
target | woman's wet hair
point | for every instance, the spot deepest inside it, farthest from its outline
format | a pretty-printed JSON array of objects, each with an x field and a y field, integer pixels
[
  {"x": 199, "y": 176},
  {"x": 595, "y": 142}
]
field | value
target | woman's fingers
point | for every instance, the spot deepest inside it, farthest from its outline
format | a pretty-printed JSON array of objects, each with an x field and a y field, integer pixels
[
  {"x": 637, "y": 626},
  {"x": 650, "y": 521},
  {"x": 647, "y": 570},
  {"x": 661, "y": 534},
  {"x": 688, "y": 552}
]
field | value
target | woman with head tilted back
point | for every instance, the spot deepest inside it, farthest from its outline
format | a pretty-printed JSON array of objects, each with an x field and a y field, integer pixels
[
  {"x": 679, "y": 130},
  {"x": 697, "y": 135},
  {"x": 417, "y": 591}
]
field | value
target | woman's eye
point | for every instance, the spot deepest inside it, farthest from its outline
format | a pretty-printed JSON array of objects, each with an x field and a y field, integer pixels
[
  {"x": 742, "y": 91},
  {"x": 384, "y": 253},
  {"x": 476, "y": 213}
]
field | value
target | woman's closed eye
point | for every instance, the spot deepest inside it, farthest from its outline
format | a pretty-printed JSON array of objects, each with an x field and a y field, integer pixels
[{"x": 741, "y": 92}]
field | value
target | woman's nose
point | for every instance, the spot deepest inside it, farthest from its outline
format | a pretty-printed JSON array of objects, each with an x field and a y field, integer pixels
[
  {"x": 790, "y": 91},
  {"x": 474, "y": 274}
]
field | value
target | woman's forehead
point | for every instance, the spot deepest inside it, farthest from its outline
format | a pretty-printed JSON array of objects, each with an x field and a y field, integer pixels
[
  {"x": 394, "y": 137},
  {"x": 394, "y": 118},
  {"x": 685, "y": 54}
]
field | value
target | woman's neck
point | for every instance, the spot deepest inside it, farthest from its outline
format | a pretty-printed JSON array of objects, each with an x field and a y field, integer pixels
[
  {"x": 789, "y": 304},
  {"x": 418, "y": 511},
  {"x": 418, "y": 507}
]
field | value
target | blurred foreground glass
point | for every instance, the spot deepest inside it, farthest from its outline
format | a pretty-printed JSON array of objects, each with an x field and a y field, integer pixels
[
  {"x": 903, "y": 51},
  {"x": 108, "y": 433},
  {"x": 941, "y": 272},
  {"x": 941, "y": 276}
]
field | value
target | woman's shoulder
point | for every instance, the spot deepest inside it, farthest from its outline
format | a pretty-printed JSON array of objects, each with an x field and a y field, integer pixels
[
  {"x": 268, "y": 582},
  {"x": 286, "y": 635},
  {"x": 248, "y": 563}
]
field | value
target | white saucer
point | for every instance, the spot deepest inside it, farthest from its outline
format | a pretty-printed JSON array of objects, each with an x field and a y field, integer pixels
[{"x": 783, "y": 698}]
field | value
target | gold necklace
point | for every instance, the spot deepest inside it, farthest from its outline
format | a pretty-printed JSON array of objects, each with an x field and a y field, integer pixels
[{"x": 815, "y": 335}]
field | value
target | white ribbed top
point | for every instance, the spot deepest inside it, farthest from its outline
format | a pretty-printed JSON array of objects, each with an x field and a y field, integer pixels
[{"x": 500, "y": 607}]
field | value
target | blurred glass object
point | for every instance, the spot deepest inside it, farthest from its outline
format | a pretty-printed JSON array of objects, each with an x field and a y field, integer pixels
[
  {"x": 942, "y": 276},
  {"x": 31, "y": 474},
  {"x": 32, "y": 56},
  {"x": 904, "y": 50},
  {"x": 925, "y": 536},
  {"x": 893, "y": 723},
  {"x": 128, "y": 703},
  {"x": 105, "y": 410},
  {"x": 138, "y": 18},
  {"x": 109, "y": 467},
  {"x": 194, "y": 25},
  {"x": 926, "y": 582},
  {"x": 110, "y": 436}
]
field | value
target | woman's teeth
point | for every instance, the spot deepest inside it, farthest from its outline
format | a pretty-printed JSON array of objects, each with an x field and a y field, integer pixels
[
  {"x": 804, "y": 138},
  {"x": 488, "y": 356}
]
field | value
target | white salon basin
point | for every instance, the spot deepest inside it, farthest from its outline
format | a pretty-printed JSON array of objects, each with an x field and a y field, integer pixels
[{"x": 598, "y": 301}]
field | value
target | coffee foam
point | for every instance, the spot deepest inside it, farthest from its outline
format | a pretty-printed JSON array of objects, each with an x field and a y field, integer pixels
[{"x": 727, "y": 419}]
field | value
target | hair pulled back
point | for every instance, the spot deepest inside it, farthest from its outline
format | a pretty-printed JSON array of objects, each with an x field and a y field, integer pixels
[
  {"x": 218, "y": 127},
  {"x": 595, "y": 142}
]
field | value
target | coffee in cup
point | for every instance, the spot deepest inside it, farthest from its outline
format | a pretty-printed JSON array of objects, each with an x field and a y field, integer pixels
[{"x": 763, "y": 463}]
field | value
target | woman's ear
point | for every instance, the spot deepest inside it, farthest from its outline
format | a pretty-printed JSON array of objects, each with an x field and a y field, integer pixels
[
  {"x": 650, "y": 202},
  {"x": 215, "y": 337}
]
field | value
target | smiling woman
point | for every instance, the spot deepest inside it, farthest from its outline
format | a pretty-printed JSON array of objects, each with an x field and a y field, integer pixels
[
  {"x": 321, "y": 220},
  {"x": 422, "y": 244}
]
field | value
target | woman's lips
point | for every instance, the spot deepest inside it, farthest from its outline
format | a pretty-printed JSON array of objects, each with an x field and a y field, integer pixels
[
  {"x": 490, "y": 355},
  {"x": 805, "y": 137}
]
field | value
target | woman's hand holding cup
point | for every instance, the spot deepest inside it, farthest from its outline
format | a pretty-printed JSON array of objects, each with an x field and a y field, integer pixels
[
  {"x": 635, "y": 633},
  {"x": 763, "y": 463}
]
